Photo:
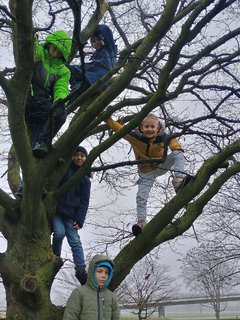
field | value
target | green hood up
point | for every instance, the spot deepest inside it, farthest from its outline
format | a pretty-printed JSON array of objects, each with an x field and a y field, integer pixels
[
  {"x": 92, "y": 268},
  {"x": 62, "y": 41}
]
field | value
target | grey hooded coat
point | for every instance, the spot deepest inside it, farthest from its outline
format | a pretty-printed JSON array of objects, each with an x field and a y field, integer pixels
[{"x": 90, "y": 302}]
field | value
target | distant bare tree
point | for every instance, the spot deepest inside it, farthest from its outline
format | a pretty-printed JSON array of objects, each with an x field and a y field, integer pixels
[
  {"x": 148, "y": 283},
  {"x": 205, "y": 273},
  {"x": 221, "y": 222}
]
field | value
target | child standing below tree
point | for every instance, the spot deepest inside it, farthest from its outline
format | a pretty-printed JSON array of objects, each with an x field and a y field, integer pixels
[
  {"x": 70, "y": 214},
  {"x": 150, "y": 141},
  {"x": 102, "y": 60},
  {"x": 93, "y": 300},
  {"x": 49, "y": 84}
]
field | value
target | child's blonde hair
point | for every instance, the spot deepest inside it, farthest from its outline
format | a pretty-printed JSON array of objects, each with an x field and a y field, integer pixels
[{"x": 154, "y": 117}]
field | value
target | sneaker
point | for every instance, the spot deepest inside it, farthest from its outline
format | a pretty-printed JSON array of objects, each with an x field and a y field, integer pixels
[
  {"x": 137, "y": 228},
  {"x": 81, "y": 275},
  {"x": 180, "y": 182},
  {"x": 40, "y": 150},
  {"x": 44, "y": 193},
  {"x": 19, "y": 192}
]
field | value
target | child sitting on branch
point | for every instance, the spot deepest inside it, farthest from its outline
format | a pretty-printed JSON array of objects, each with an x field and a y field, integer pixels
[{"x": 102, "y": 60}]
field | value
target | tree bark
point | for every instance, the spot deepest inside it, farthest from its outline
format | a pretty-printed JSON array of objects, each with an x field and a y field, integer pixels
[{"x": 28, "y": 268}]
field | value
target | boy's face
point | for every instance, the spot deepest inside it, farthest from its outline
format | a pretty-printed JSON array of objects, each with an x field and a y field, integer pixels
[
  {"x": 102, "y": 274},
  {"x": 54, "y": 52},
  {"x": 79, "y": 158},
  {"x": 96, "y": 43},
  {"x": 150, "y": 127}
]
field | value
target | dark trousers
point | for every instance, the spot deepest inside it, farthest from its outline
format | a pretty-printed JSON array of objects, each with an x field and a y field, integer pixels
[{"x": 36, "y": 116}]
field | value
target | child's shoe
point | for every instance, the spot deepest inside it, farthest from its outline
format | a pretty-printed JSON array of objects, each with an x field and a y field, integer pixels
[
  {"x": 19, "y": 192},
  {"x": 137, "y": 228},
  {"x": 81, "y": 275},
  {"x": 40, "y": 150},
  {"x": 180, "y": 182}
]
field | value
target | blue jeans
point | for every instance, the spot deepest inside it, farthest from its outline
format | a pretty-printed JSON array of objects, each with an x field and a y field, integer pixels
[{"x": 61, "y": 227}]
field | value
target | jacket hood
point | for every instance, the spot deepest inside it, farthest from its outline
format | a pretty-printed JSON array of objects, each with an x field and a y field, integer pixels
[
  {"x": 92, "y": 268},
  {"x": 62, "y": 41},
  {"x": 105, "y": 33},
  {"x": 162, "y": 129}
]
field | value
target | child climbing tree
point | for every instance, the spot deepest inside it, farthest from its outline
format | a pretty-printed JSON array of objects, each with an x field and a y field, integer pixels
[{"x": 170, "y": 62}]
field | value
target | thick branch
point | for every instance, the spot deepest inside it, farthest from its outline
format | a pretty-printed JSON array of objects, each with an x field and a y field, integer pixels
[
  {"x": 11, "y": 16},
  {"x": 6, "y": 201},
  {"x": 13, "y": 171},
  {"x": 142, "y": 245},
  {"x": 19, "y": 84}
]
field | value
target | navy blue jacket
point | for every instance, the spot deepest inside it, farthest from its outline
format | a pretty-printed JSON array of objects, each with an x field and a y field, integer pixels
[
  {"x": 102, "y": 60},
  {"x": 74, "y": 203}
]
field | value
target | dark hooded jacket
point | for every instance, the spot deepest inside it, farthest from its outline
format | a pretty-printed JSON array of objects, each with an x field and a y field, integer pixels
[
  {"x": 74, "y": 203},
  {"x": 102, "y": 60},
  {"x": 90, "y": 302}
]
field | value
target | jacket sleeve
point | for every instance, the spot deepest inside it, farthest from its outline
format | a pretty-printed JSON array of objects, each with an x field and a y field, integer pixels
[
  {"x": 73, "y": 306},
  {"x": 174, "y": 144},
  {"x": 60, "y": 90},
  {"x": 84, "y": 202},
  {"x": 115, "y": 309},
  {"x": 114, "y": 125}
]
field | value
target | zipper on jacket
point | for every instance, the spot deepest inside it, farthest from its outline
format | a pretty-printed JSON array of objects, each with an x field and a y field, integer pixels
[
  {"x": 46, "y": 81},
  {"x": 31, "y": 90},
  {"x": 103, "y": 307},
  {"x": 98, "y": 302},
  {"x": 149, "y": 147}
]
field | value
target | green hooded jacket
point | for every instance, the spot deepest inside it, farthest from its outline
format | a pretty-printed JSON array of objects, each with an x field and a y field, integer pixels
[
  {"x": 51, "y": 76},
  {"x": 90, "y": 302}
]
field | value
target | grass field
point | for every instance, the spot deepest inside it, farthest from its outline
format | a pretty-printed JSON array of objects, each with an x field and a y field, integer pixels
[
  {"x": 181, "y": 318},
  {"x": 188, "y": 316}
]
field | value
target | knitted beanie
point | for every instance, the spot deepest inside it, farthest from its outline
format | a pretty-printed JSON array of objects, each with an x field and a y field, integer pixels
[{"x": 81, "y": 149}]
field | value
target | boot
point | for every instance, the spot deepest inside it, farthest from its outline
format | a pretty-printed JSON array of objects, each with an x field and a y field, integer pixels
[
  {"x": 137, "y": 228},
  {"x": 40, "y": 150},
  {"x": 81, "y": 275},
  {"x": 180, "y": 182}
]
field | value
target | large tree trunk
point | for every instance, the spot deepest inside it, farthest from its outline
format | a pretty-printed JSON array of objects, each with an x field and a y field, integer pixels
[{"x": 28, "y": 269}]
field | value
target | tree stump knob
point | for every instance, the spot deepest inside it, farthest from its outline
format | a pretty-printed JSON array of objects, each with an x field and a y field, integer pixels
[{"x": 29, "y": 284}]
